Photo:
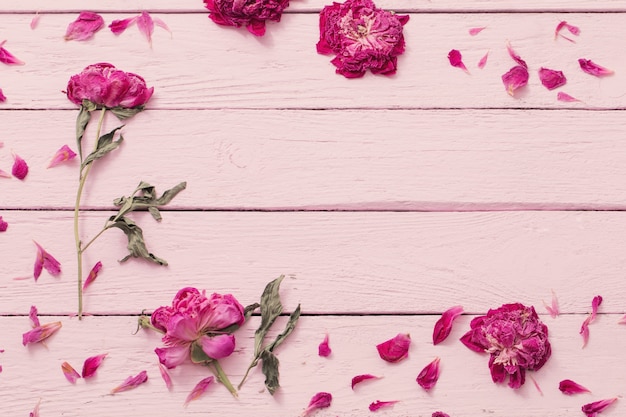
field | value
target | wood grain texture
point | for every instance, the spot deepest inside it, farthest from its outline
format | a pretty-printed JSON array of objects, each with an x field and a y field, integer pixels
[{"x": 233, "y": 69}]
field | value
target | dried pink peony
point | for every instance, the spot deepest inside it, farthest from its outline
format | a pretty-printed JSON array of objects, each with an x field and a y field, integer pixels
[
  {"x": 428, "y": 377},
  {"x": 362, "y": 37},
  {"x": 199, "y": 389},
  {"x": 551, "y": 79},
  {"x": 3, "y": 225},
  {"x": 595, "y": 408},
  {"x": 7, "y": 57},
  {"x": 319, "y": 400},
  {"x": 249, "y": 13},
  {"x": 92, "y": 364},
  {"x": 592, "y": 68},
  {"x": 395, "y": 349},
  {"x": 456, "y": 60},
  {"x": 360, "y": 378},
  {"x": 569, "y": 387},
  {"x": 197, "y": 322},
  {"x": 166, "y": 376},
  {"x": 377, "y": 405},
  {"x": 483, "y": 60},
  {"x": 45, "y": 261},
  {"x": 84, "y": 27},
  {"x": 93, "y": 274},
  {"x": 574, "y": 30},
  {"x": 20, "y": 167},
  {"x": 324, "y": 349},
  {"x": 514, "y": 337},
  {"x": 443, "y": 327},
  {"x": 476, "y": 31},
  {"x": 62, "y": 155},
  {"x": 131, "y": 382},
  {"x": 561, "y": 96},
  {"x": 584, "y": 328},
  {"x": 69, "y": 372}
]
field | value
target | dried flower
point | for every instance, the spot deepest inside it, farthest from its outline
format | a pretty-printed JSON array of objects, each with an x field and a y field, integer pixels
[
  {"x": 166, "y": 376},
  {"x": 69, "y": 372},
  {"x": 514, "y": 337},
  {"x": 45, "y": 261},
  {"x": 249, "y": 13},
  {"x": 551, "y": 79},
  {"x": 360, "y": 378},
  {"x": 324, "y": 349},
  {"x": 554, "y": 308},
  {"x": 7, "y": 57},
  {"x": 483, "y": 60},
  {"x": 395, "y": 349},
  {"x": 456, "y": 60},
  {"x": 92, "y": 364},
  {"x": 428, "y": 377},
  {"x": 561, "y": 96},
  {"x": 362, "y": 36},
  {"x": 476, "y": 31},
  {"x": 199, "y": 389},
  {"x": 93, "y": 274},
  {"x": 569, "y": 387},
  {"x": 20, "y": 167},
  {"x": 584, "y": 328},
  {"x": 62, "y": 155},
  {"x": 84, "y": 27},
  {"x": 319, "y": 400},
  {"x": 595, "y": 408},
  {"x": 377, "y": 405},
  {"x": 574, "y": 30},
  {"x": 592, "y": 68},
  {"x": 443, "y": 327},
  {"x": 40, "y": 333},
  {"x": 131, "y": 382},
  {"x": 3, "y": 225}
]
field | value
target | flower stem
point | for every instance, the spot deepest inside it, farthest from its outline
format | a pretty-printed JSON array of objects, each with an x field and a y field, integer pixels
[
  {"x": 221, "y": 376},
  {"x": 252, "y": 365},
  {"x": 79, "y": 251}
]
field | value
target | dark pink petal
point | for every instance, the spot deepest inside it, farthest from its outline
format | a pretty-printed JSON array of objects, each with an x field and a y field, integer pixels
[
  {"x": 429, "y": 375},
  {"x": 131, "y": 382},
  {"x": 62, "y": 155},
  {"x": 146, "y": 25},
  {"x": 456, "y": 59},
  {"x": 47, "y": 261},
  {"x": 319, "y": 400},
  {"x": 40, "y": 333},
  {"x": 84, "y": 27},
  {"x": 3, "y": 98},
  {"x": 515, "y": 56},
  {"x": 324, "y": 349},
  {"x": 377, "y": 405},
  {"x": 515, "y": 78},
  {"x": 554, "y": 308},
  {"x": 93, "y": 274},
  {"x": 20, "y": 167},
  {"x": 444, "y": 324},
  {"x": 592, "y": 68},
  {"x": 584, "y": 329},
  {"x": 166, "y": 376},
  {"x": 218, "y": 347},
  {"x": 595, "y": 303},
  {"x": 69, "y": 372},
  {"x": 92, "y": 364},
  {"x": 440, "y": 414},
  {"x": 569, "y": 387},
  {"x": 119, "y": 26},
  {"x": 7, "y": 57},
  {"x": 483, "y": 61},
  {"x": 561, "y": 96},
  {"x": 574, "y": 30},
  {"x": 3, "y": 225},
  {"x": 395, "y": 349},
  {"x": 32, "y": 315},
  {"x": 595, "y": 408},
  {"x": 551, "y": 79},
  {"x": 360, "y": 378},
  {"x": 476, "y": 31},
  {"x": 199, "y": 389}
]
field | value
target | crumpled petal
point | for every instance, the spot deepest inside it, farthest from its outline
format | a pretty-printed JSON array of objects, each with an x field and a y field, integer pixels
[
  {"x": 483, "y": 60},
  {"x": 324, "y": 349},
  {"x": 20, "y": 167},
  {"x": 561, "y": 96},
  {"x": 199, "y": 389},
  {"x": 595, "y": 408},
  {"x": 515, "y": 56},
  {"x": 40, "y": 333},
  {"x": 3, "y": 98},
  {"x": 119, "y": 26},
  {"x": 92, "y": 364},
  {"x": 32, "y": 315},
  {"x": 93, "y": 274},
  {"x": 574, "y": 30},
  {"x": 594, "y": 69},
  {"x": 47, "y": 261},
  {"x": 360, "y": 378},
  {"x": 131, "y": 382},
  {"x": 551, "y": 79},
  {"x": 218, "y": 347},
  {"x": 428, "y": 377},
  {"x": 377, "y": 405},
  {"x": 476, "y": 31},
  {"x": 443, "y": 327},
  {"x": 319, "y": 400},
  {"x": 69, "y": 372},
  {"x": 173, "y": 356},
  {"x": 84, "y": 27},
  {"x": 569, "y": 387},
  {"x": 146, "y": 25},
  {"x": 584, "y": 328},
  {"x": 7, "y": 57},
  {"x": 62, "y": 155},
  {"x": 3, "y": 225},
  {"x": 456, "y": 59},
  {"x": 554, "y": 308},
  {"x": 166, "y": 376},
  {"x": 395, "y": 349},
  {"x": 515, "y": 78}
]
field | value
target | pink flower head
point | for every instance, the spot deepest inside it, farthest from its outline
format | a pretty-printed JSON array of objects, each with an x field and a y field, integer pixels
[
  {"x": 47, "y": 261},
  {"x": 319, "y": 400},
  {"x": 84, "y": 27},
  {"x": 3, "y": 225},
  {"x": 62, "y": 155},
  {"x": 199, "y": 389},
  {"x": 195, "y": 319},
  {"x": 93, "y": 274},
  {"x": 324, "y": 349},
  {"x": 360, "y": 378},
  {"x": 40, "y": 333},
  {"x": 595, "y": 408},
  {"x": 569, "y": 387},
  {"x": 20, "y": 167},
  {"x": 7, "y": 57},
  {"x": 428, "y": 377},
  {"x": 514, "y": 337},
  {"x": 395, "y": 349},
  {"x": 377, "y": 405},
  {"x": 456, "y": 60},
  {"x": 106, "y": 86},
  {"x": 69, "y": 372},
  {"x": 92, "y": 364},
  {"x": 249, "y": 13},
  {"x": 592, "y": 68},
  {"x": 362, "y": 36},
  {"x": 131, "y": 382},
  {"x": 551, "y": 79},
  {"x": 443, "y": 327}
]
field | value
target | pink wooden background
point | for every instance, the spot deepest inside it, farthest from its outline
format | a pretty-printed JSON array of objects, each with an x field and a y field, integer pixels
[{"x": 383, "y": 200}]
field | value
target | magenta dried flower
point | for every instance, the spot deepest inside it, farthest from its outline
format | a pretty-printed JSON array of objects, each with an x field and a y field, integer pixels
[
  {"x": 319, "y": 400},
  {"x": 249, "y": 13},
  {"x": 62, "y": 155},
  {"x": 443, "y": 327},
  {"x": 131, "y": 382},
  {"x": 362, "y": 37},
  {"x": 20, "y": 167},
  {"x": 199, "y": 389},
  {"x": 7, "y": 57},
  {"x": 395, "y": 349},
  {"x": 377, "y": 405},
  {"x": 360, "y": 378},
  {"x": 45, "y": 261},
  {"x": 514, "y": 337},
  {"x": 456, "y": 60},
  {"x": 84, "y": 27},
  {"x": 324, "y": 349},
  {"x": 3, "y": 225},
  {"x": 595, "y": 408},
  {"x": 92, "y": 364},
  {"x": 594, "y": 69},
  {"x": 429, "y": 376},
  {"x": 551, "y": 79},
  {"x": 569, "y": 387},
  {"x": 70, "y": 373}
]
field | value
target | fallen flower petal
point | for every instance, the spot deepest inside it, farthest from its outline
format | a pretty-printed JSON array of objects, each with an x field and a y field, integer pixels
[
  {"x": 429, "y": 375},
  {"x": 377, "y": 405},
  {"x": 69, "y": 372},
  {"x": 47, "y": 261},
  {"x": 20, "y": 167},
  {"x": 166, "y": 376},
  {"x": 119, "y": 26},
  {"x": 483, "y": 61},
  {"x": 324, "y": 349},
  {"x": 515, "y": 56},
  {"x": 569, "y": 387},
  {"x": 561, "y": 96},
  {"x": 131, "y": 382},
  {"x": 515, "y": 78},
  {"x": 440, "y": 414},
  {"x": 319, "y": 400},
  {"x": 595, "y": 408},
  {"x": 40, "y": 333},
  {"x": 7, "y": 57},
  {"x": 35, "y": 412},
  {"x": 360, "y": 378},
  {"x": 395, "y": 349},
  {"x": 476, "y": 31},
  {"x": 92, "y": 364},
  {"x": 32, "y": 315},
  {"x": 199, "y": 389},
  {"x": 621, "y": 321},
  {"x": 554, "y": 308},
  {"x": 146, "y": 25},
  {"x": 444, "y": 324},
  {"x": 456, "y": 59},
  {"x": 93, "y": 274},
  {"x": 551, "y": 79},
  {"x": 62, "y": 155},
  {"x": 592, "y": 68},
  {"x": 574, "y": 30},
  {"x": 595, "y": 303},
  {"x": 584, "y": 328},
  {"x": 35, "y": 21},
  {"x": 3, "y": 225},
  {"x": 160, "y": 23},
  {"x": 4, "y": 174},
  {"x": 3, "y": 98},
  {"x": 84, "y": 27}
]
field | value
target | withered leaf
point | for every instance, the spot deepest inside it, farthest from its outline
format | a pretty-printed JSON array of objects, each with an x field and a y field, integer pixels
[
  {"x": 136, "y": 243},
  {"x": 147, "y": 199},
  {"x": 123, "y": 113},
  {"x": 270, "y": 370},
  {"x": 104, "y": 146},
  {"x": 84, "y": 115}
]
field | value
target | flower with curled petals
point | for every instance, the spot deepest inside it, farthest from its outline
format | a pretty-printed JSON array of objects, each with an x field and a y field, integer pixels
[{"x": 249, "y": 13}]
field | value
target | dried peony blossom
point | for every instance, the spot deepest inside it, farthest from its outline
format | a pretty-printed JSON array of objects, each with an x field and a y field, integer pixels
[
  {"x": 131, "y": 382},
  {"x": 476, "y": 31},
  {"x": 569, "y": 387},
  {"x": 377, "y": 405},
  {"x": 561, "y": 96},
  {"x": 440, "y": 414},
  {"x": 362, "y": 36},
  {"x": 551, "y": 79},
  {"x": 84, "y": 27},
  {"x": 166, "y": 376},
  {"x": 592, "y": 68},
  {"x": 395, "y": 349},
  {"x": 20, "y": 167},
  {"x": 360, "y": 378},
  {"x": 7, "y": 57},
  {"x": 3, "y": 225},
  {"x": 62, "y": 155},
  {"x": 69, "y": 372},
  {"x": 443, "y": 327},
  {"x": 514, "y": 337},
  {"x": 3, "y": 98},
  {"x": 93, "y": 274},
  {"x": 319, "y": 400},
  {"x": 92, "y": 364},
  {"x": 249, "y": 13},
  {"x": 553, "y": 309},
  {"x": 199, "y": 389},
  {"x": 40, "y": 333},
  {"x": 324, "y": 349},
  {"x": 574, "y": 30},
  {"x": 47, "y": 261},
  {"x": 595, "y": 408},
  {"x": 584, "y": 328},
  {"x": 456, "y": 60},
  {"x": 428, "y": 377},
  {"x": 483, "y": 60}
]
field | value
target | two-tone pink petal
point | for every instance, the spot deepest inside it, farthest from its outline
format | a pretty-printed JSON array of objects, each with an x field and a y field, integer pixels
[
  {"x": 595, "y": 408},
  {"x": 517, "y": 76},
  {"x": 443, "y": 326},
  {"x": 119, "y": 26},
  {"x": 45, "y": 261},
  {"x": 199, "y": 389},
  {"x": 324, "y": 349},
  {"x": 574, "y": 30},
  {"x": 377, "y": 405},
  {"x": 319, "y": 401},
  {"x": 360, "y": 378},
  {"x": 93, "y": 274},
  {"x": 483, "y": 60},
  {"x": 91, "y": 365},
  {"x": 40, "y": 333},
  {"x": 429, "y": 376},
  {"x": 84, "y": 27},
  {"x": 33, "y": 316},
  {"x": 569, "y": 387},
  {"x": 553, "y": 308},
  {"x": 594, "y": 69},
  {"x": 145, "y": 24},
  {"x": 62, "y": 155},
  {"x": 166, "y": 376},
  {"x": 70, "y": 373},
  {"x": 584, "y": 328},
  {"x": 564, "y": 97},
  {"x": 7, "y": 57},
  {"x": 131, "y": 382}
]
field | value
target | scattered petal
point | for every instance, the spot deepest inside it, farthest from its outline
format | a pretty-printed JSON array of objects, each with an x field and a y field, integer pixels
[
  {"x": 554, "y": 308},
  {"x": 166, "y": 376},
  {"x": 69, "y": 372},
  {"x": 146, "y": 25},
  {"x": 515, "y": 78},
  {"x": 47, "y": 261},
  {"x": 119, "y": 26},
  {"x": 395, "y": 349},
  {"x": 515, "y": 56},
  {"x": 199, "y": 389},
  {"x": 377, "y": 405},
  {"x": 319, "y": 400},
  {"x": 4, "y": 174},
  {"x": 62, "y": 155},
  {"x": 20, "y": 167},
  {"x": 584, "y": 328},
  {"x": 622, "y": 320},
  {"x": 595, "y": 408},
  {"x": 32, "y": 315},
  {"x": 592, "y": 68},
  {"x": 92, "y": 364},
  {"x": 429, "y": 375},
  {"x": 476, "y": 31},
  {"x": 84, "y": 27},
  {"x": 440, "y": 414},
  {"x": 35, "y": 21},
  {"x": 574, "y": 30},
  {"x": 456, "y": 59},
  {"x": 3, "y": 98},
  {"x": 35, "y": 412},
  {"x": 324, "y": 349},
  {"x": 561, "y": 96},
  {"x": 444, "y": 324},
  {"x": 7, "y": 57},
  {"x": 131, "y": 382},
  {"x": 551, "y": 79},
  {"x": 40, "y": 333},
  {"x": 360, "y": 378},
  {"x": 483, "y": 61},
  {"x": 536, "y": 384},
  {"x": 93, "y": 274},
  {"x": 160, "y": 23},
  {"x": 3, "y": 225},
  {"x": 569, "y": 387}
]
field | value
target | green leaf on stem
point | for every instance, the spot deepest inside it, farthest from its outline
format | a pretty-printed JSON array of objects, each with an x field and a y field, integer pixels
[
  {"x": 147, "y": 199},
  {"x": 247, "y": 312},
  {"x": 271, "y": 308},
  {"x": 136, "y": 243},
  {"x": 124, "y": 113},
  {"x": 270, "y": 370},
  {"x": 84, "y": 115},
  {"x": 104, "y": 146},
  {"x": 291, "y": 324},
  {"x": 198, "y": 356}
]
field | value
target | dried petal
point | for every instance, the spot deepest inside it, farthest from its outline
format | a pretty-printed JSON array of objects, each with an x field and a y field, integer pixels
[
  {"x": 574, "y": 30},
  {"x": 476, "y": 31},
  {"x": 324, "y": 349},
  {"x": 7, "y": 57},
  {"x": 35, "y": 21},
  {"x": 62, "y": 155},
  {"x": 584, "y": 328},
  {"x": 4, "y": 174},
  {"x": 319, "y": 400},
  {"x": 360, "y": 378},
  {"x": 131, "y": 382},
  {"x": 166, "y": 376},
  {"x": 35, "y": 412},
  {"x": 515, "y": 78},
  {"x": 444, "y": 324},
  {"x": 84, "y": 27},
  {"x": 92, "y": 364},
  {"x": 93, "y": 274},
  {"x": 456, "y": 60},
  {"x": 515, "y": 56},
  {"x": 199, "y": 389},
  {"x": 146, "y": 25},
  {"x": 32, "y": 315},
  {"x": 551, "y": 79},
  {"x": 20, "y": 167},
  {"x": 569, "y": 387},
  {"x": 429, "y": 375},
  {"x": 119, "y": 26},
  {"x": 622, "y": 320},
  {"x": 40, "y": 333},
  {"x": 440, "y": 414},
  {"x": 595, "y": 408},
  {"x": 47, "y": 261},
  {"x": 377, "y": 405},
  {"x": 483, "y": 61},
  {"x": 160, "y": 23},
  {"x": 592, "y": 68},
  {"x": 554, "y": 308},
  {"x": 69, "y": 372},
  {"x": 395, "y": 349},
  {"x": 3, "y": 98},
  {"x": 3, "y": 225},
  {"x": 561, "y": 96}
]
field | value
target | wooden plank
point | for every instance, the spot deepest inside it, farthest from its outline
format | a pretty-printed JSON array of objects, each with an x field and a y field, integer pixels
[
  {"x": 345, "y": 263},
  {"x": 283, "y": 70},
  {"x": 464, "y": 388}
]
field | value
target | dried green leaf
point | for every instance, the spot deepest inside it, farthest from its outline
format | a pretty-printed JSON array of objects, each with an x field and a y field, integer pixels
[
  {"x": 271, "y": 308},
  {"x": 123, "y": 113},
  {"x": 247, "y": 312},
  {"x": 156, "y": 214},
  {"x": 136, "y": 243},
  {"x": 84, "y": 115},
  {"x": 270, "y": 370},
  {"x": 198, "y": 356},
  {"x": 147, "y": 199},
  {"x": 104, "y": 146},
  {"x": 291, "y": 324}
]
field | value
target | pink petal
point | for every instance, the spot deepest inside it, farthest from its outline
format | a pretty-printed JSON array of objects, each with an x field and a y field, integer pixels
[
  {"x": 377, "y": 405},
  {"x": 551, "y": 79},
  {"x": 554, "y": 308},
  {"x": 515, "y": 78},
  {"x": 324, "y": 349},
  {"x": 119, "y": 26},
  {"x": 3, "y": 98},
  {"x": 476, "y": 31},
  {"x": 574, "y": 30},
  {"x": 160, "y": 23},
  {"x": 584, "y": 329},
  {"x": 47, "y": 261},
  {"x": 444, "y": 324},
  {"x": 4, "y": 174},
  {"x": 595, "y": 408},
  {"x": 69, "y": 372},
  {"x": 483, "y": 61},
  {"x": 569, "y": 387},
  {"x": 84, "y": 27},
  {"x": 456, "y": 59},
  {"x": 622, "y": 320},
  {"x": 20, "y": 168},
  {"x": 166, "y": 376},
  {"x": 146, "y": 25},
  {"x": 93, "y": 274},
  {"x": 131, "y": 382},
  {"x": 199, "y": 389},
  {"x": 440, "y": 414},
  {"x": 218, "y": 347},
  {"x": 40, "y": 333},
  {"x": 35, "y": 412},
  {"x": 561, "y": 96},
  {"x": 429, "y": 375},
  {"x": 172, "y": 356},
  {"x": 32, "y": 315},
  {"x": 3, "y": 225},
  {"x": 62, "y": 155},
  {"x": 92, "y": 364},
  {"x": 319, "y": 400},
  {"x": 360, "y": 378},
  {"x": 7, "y": 57},
  {"x": 592, "y": 68},
  {"x": 595, "y": 303},
  {"x": 395, "y": 349},
  {"x": 515, "y": 56},
  {"x": 35, "y": 21}
]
